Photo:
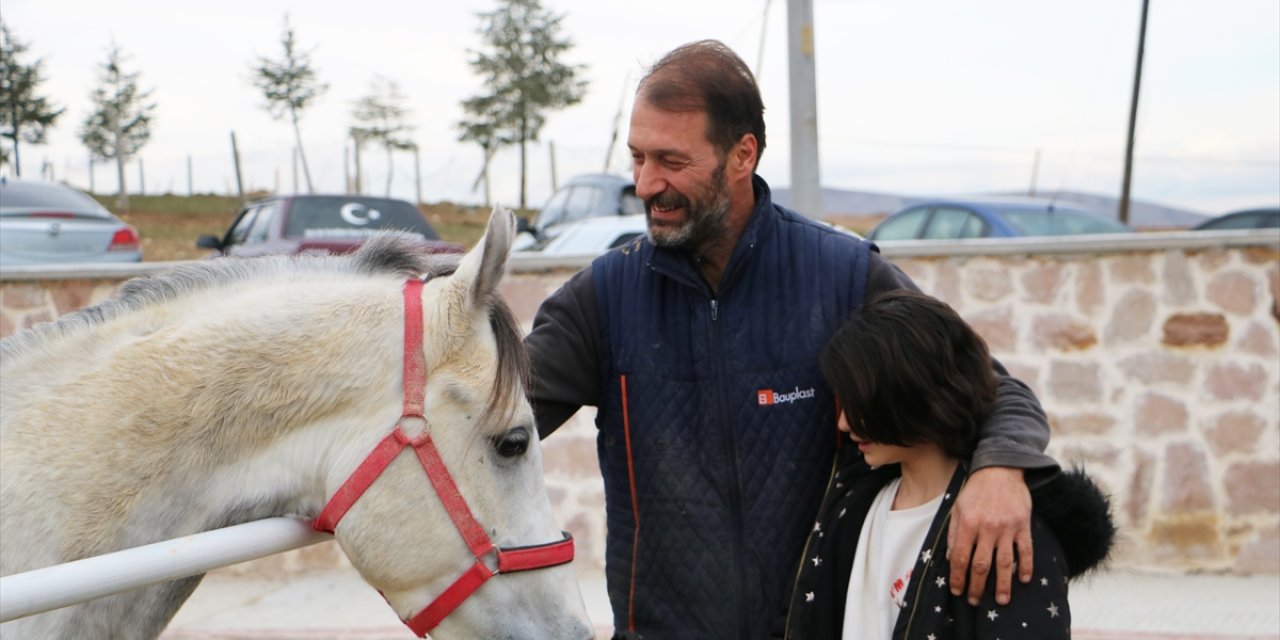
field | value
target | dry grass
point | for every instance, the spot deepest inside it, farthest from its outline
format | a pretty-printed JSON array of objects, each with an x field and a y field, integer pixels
[{"x": 169, "y": 224}]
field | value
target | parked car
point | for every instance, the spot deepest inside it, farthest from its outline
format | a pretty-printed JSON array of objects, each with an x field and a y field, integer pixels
[
  {"x": 1247, "y": 219},
  {"x": 586, "y": 196},
  {"x": 50, "y": 223},
  {"x": 321, "y": 224},
  {"x": 992, "y": 217},
  {"x": 595, "y": 235}
]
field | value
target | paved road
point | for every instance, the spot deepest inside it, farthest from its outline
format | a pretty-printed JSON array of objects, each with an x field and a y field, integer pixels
[{"x": 336, "y": 605}]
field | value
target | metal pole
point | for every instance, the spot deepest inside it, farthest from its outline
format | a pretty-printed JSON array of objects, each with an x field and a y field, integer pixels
[
  {"x": 346, "y": 169},
  {"x": 91, "y": 172},
  {"x": 191, "y": 191},
  {"x": 806, "y": 183},
  {"x": 552, "y": 146},
  {"x": 1035, "y": 170},
  {"x": 142, "y": 179},
  {"x": 235, "y": 159},
  {"x": 295, "y": 170},
  {"x": 41, "y": 590},
  {"x": 417, "y": 176},
  {"x": 1133, "y": 119}
]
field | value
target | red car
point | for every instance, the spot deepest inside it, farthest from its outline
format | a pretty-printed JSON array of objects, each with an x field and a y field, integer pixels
[{"x": 322, "y": 225}]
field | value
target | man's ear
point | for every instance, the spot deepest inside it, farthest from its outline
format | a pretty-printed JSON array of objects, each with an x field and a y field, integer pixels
[{"x": 742, "y": 158}]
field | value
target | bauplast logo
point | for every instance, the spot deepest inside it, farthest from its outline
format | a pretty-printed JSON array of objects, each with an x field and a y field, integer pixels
[{"x": 765, "y": 397}]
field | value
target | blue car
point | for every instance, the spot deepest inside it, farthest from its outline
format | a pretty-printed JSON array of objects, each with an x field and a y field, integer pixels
[{"x": 947, "y": 219}]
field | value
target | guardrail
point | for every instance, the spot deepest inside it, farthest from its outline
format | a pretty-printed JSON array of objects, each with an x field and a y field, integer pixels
[{"x": 62, "y": 585}]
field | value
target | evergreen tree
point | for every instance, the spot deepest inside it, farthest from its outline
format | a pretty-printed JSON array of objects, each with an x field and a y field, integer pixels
[
  {"x": 289, "y": 85},
  {"x": 120, "y": 123},
  {"x": 24, "y": 115},
  {"x": 523, "y": 77},
  {"x": 381, "y": 117}
]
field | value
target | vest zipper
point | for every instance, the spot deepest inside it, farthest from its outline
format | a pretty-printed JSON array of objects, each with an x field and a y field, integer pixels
[
  {"x": 735, "y": 479},
  {"x": 804, "y": 553},
  {"x": 715, "y": 310}
]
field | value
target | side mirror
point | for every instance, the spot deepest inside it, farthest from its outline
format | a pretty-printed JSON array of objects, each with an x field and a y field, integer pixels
[{"x": 206, "y": 241}]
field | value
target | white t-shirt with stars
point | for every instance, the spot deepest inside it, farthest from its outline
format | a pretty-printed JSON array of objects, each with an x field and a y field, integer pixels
[{"x": 882, "y": 563}]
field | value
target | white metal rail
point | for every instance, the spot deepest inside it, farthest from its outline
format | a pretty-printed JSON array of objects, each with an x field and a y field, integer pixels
[{"x": 41, "y": 590}]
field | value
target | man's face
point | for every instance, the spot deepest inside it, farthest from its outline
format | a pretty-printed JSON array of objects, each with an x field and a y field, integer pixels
[{"x": 679, "y": 175}]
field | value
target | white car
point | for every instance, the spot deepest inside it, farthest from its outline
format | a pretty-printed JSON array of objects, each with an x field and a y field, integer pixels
[
  {"x": 50, "y": 223},
  {"x": 595, "y": 235}
]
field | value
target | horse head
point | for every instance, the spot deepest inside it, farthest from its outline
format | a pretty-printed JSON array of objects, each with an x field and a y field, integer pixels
[{"x": 475, "y": 421}]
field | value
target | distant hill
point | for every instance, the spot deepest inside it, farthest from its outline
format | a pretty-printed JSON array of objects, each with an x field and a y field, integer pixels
[{"x": 1142, "y": 214}]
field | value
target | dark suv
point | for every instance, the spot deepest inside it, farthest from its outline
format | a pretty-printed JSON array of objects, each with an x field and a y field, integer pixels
[{"x": 321, "y": 224}]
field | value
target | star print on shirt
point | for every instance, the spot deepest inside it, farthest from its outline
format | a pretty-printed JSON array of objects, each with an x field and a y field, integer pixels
[
  {"x": 816, "y": 560},
  {"x": 937, "y": 609},
  {"x": 1044, "y": 582},
  {"x": 1053, "y": 610},
  {"x": 941, "y": 582},
  {"x": 808, "y": 596},
  {"x": 992, "y": 615},
  {"x": 933, "y": 637},
  {"x": 926, "y": 556}
]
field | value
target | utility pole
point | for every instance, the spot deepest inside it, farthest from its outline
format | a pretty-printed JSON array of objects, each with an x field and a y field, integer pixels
[
  {"x": 190, "y": 185},
  {"x": 1035, "y": 170},
  {"x": 1133, "y": 118},
  {"x": 235, "y": 159},
  {"x": 417, "y": 176},
  {"x": 806, "y": 183}
]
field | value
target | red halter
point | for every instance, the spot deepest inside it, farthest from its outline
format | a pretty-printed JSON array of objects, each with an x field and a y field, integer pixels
[{"x": 503, "y": 560}]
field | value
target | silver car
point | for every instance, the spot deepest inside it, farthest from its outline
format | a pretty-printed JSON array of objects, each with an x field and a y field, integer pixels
[{"x": 48, "y": 223}]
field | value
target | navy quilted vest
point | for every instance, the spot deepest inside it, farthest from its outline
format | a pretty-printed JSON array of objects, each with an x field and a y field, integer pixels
[{"x": 716, "y": 430}]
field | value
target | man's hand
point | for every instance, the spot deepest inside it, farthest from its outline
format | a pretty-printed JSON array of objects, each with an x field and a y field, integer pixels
[{"x": 992, "y": 514}]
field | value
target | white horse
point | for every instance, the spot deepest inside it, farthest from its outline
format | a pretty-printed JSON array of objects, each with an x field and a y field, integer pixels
[{"x": 234, "y": 390}]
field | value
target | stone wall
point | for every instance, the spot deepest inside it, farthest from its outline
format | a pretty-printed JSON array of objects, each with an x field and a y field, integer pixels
[{"x": 1157, "y": 359}]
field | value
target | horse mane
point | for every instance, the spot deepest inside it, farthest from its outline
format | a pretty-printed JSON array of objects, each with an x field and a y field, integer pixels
[{"x": 392, "y": 253}]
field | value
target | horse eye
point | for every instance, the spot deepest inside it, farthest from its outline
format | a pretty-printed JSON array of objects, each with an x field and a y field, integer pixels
[{"x": 512, "y": 443}]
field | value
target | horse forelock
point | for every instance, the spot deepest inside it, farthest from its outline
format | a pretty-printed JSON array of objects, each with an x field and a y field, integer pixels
[
  {"x": 393, "y": 253},
  {"x": 513, "y": 371}
]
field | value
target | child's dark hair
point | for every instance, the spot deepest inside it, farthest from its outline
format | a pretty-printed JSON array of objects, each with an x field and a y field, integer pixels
[{"x": 908, "y": 370}]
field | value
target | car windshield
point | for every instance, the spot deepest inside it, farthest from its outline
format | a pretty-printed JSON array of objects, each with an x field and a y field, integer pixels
[
  {"x": 1060, "y": 222},
  {"x": 347, "y": 217},
  {"x": 41, "y": 196}
]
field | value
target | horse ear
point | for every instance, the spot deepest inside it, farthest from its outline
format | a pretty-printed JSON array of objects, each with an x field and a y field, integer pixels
[{"x": 484, "y": 265}]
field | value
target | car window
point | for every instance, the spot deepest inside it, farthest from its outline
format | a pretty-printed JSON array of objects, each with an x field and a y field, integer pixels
[
  {"x": 48, "y": 196},
  {"x": 262, "y": 223},
  {"x": 1243, "y": 221},
  {"x": 582, "y": 201},
  {"x": 1060, "y": 222},
  {"x": 554, "y": 210},
  {"x": 902, "y": 226},
  {"x": 240, "y": 230},
  {"x": 951, "y": 223},
  {"x": 319, "y": 216},
  {"x": 631, "y": 203}
]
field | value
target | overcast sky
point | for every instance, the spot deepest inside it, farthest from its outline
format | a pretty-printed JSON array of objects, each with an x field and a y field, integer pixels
[{"x": 914, "y": 96}]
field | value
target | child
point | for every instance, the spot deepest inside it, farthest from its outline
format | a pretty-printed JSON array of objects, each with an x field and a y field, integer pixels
[{"x": 914, "y": 382}]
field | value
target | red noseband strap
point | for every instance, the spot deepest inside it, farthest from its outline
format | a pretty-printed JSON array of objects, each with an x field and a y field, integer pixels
[{"x": 482, "y": 548}]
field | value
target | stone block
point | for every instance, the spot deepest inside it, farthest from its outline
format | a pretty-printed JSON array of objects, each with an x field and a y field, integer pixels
[
  {"x": 946, "y": 283},
  {"x": 1195, "y": 330},
  {"x": 1234, "y": 381},
  {"x": 1159, "y": 414},
  {"x": 572, "y": 457},
  {"x": 1042, "y": 281},
  {"x": 1078, "y": 424},
  {"x": 7, "y": 327},
  {"x": 1259, "y": 340},
  {"x": 1179, "y": 284},
  {"x": 1131, "y": 269},
  {"x": 1088, "y": 453},
  {"x": 1090, "y": 286},
  {"x": 1253, "y": 487},
  {"x": 1061, "y": 332},
  {"x": 1138, "y": 501},
  {"x": 1261, "y": 555},
  {"x": 1026, "y": 374},
  {"x": 1233, "y": 291},
  {"x": 1190, "y": 540},
  {"x": 989, "y": 284},
  {"x": 996, "y": 326},
  {"x": 72, "y": 296},
  {"x": 1185, "y": 485},
  {"x": 1155, "y": 367},
  {"x": 23, "y": 295},
  {"x": 1075, "y": 381},
  {"x": 1234, "y": 432},
  {"x": 1132, "y": 317},
  {"x": 36, "y": 317}
]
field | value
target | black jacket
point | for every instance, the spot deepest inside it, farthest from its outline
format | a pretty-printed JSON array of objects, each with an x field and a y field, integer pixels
[{"x": 1072, "y": 533}]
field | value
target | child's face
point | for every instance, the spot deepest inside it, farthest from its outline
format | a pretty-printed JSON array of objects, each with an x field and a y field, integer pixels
[{"x": 876, "y": 454}]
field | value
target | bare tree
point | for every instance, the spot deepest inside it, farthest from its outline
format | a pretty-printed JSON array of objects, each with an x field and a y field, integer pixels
[
  {"x": 120, "y": 123},
  {"x": 381, "y": 117},
  {"x": 289, "y": 85},
  {"x": 523, "y": 75},
  {"x": 23, "y": 114}
]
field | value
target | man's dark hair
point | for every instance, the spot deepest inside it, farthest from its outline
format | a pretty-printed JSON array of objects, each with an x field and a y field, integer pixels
[
  {"x": 908, "y": 371},
  {"x": 708, "y": 76}
]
